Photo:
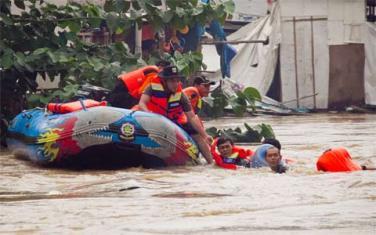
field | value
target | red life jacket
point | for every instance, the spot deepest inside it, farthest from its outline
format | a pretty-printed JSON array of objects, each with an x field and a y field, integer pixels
[
  {"x": 237, "y": 152},
  {"x": 73, "y": 106},
  {"x": 137, "y": 80},
  {"x": 194, "y": 96},
  {"x": 336, "y": 160},
  {"x": 169, "y": 107}
]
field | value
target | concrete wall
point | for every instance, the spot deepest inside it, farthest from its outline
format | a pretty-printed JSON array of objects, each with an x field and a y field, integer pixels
[
  {"x": 244, "y": 9},
  {"x": 308, "y": 47},
  {"x": 305, "y": 54},
  {"x": 345, "y": 21}
]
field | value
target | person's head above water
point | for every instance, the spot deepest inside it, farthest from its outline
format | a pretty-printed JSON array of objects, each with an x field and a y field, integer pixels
[
  {"x": 268, "y": 155},
  {"x": 273, "y": 157},
  {"x": 170, "y": 78},
  {"x": 273, "y": 142},
  {"x": 225, "y": 145}
]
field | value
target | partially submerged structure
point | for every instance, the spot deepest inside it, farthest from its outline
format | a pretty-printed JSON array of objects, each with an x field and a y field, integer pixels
[{"x": 321, "y": 54}]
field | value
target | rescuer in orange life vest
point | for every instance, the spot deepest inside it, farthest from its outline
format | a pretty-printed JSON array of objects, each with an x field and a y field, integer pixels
[
  {"x": 130, "y": 86},
  {"x": 200, "y": 88},
  {"x": 339, "y": 160},
  {"x": 164, "y": 96}
]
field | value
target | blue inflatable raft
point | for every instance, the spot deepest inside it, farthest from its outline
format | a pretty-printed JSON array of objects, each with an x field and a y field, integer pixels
[{"x": 102, "y": 133}]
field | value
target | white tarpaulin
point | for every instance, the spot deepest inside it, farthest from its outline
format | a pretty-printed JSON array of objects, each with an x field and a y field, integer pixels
[
  {"x": 305, "y": 62},
  {"x": 305, "y": 31},
  {"x": 254, "y": 63},
  {"x": 370, "y": 64}
]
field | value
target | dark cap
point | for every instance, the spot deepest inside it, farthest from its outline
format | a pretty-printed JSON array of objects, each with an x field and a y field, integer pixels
[
  {"x": 170, "y": 72},
  {"x": 202, "y": 80}
]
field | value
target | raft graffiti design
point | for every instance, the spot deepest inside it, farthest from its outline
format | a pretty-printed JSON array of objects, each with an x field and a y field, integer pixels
[{"x": 48, "y": 137}]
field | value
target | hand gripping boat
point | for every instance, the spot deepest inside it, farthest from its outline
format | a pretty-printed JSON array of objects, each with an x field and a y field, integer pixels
[{"x": 101, "y": 133}]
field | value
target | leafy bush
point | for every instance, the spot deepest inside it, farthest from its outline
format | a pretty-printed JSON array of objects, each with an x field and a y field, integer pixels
[
  {"x": 43, "y": 40},
  {"x": 250, "y": 135},
  {"x": 238, "y": 101}
]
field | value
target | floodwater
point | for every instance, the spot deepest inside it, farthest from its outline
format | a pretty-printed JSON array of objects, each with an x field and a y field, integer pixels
[{"x": 201, "y": 199}]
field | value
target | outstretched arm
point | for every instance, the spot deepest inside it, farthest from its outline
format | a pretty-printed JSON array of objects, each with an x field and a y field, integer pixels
[
  {"x": 368, "y": 168},
  {"x": 143, "y": 102},
  {"x": 196, "y": 124}
]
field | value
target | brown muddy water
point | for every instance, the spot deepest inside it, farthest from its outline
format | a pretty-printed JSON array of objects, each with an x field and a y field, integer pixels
[{"x": 202, "y": 199}]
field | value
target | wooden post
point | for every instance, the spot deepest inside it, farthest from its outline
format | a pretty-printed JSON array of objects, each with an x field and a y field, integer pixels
[
  {"x": 138, "y": 39},
  {"x": 296, "y": 64},
  {"x": 162, "y": 33},
  {"x": 313, "y": 65},
  {"x": 265, "y": 42}
]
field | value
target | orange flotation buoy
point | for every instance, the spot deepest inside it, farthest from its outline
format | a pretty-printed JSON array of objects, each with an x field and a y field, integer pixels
[
  {"x": 62, "y": 108},
  {"x": 337, "y": 160}
]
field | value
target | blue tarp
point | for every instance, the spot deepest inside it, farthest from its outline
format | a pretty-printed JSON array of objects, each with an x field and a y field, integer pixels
[
  {"x": 228, "y": 53},
  {"x": 192, "y": 38},
  {"x": 225, "y": 51}
]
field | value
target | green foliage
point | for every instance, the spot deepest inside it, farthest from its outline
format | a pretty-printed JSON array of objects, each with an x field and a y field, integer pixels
[
  {"x": 251, "y": 95},
  {"x": 215, "y": 107},
  {"x": 43, "y": 41},
  {"x": 187, "y": 63},
  {"x": 250, "y": 135},
  {"x": 182, "y": 13},
  {"x": 240, "y": 103},
  {"x": 46, "y": 96},
  {"x": 265, "y": 130}
]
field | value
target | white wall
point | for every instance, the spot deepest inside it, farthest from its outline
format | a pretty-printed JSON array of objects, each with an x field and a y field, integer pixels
[
  {"x": 246, "y": 8},
  {"x": 345, "y": 20},
  {"x": 301, "y": 8},
  {"x": 370, "y": 64},
  {"x": 302, "y": 11},
  {"x": 341, "y": 22}
]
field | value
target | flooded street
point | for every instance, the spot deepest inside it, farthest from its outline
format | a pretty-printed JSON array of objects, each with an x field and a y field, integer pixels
[{"x": 205, "y": 200}]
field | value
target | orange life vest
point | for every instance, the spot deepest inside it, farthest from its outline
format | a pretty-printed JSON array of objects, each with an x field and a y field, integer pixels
[
  {"x": 73, "y": 106},
  {"x": 237, "y": 152},
  {"x": 137, "y": 80},
  {"x": 336, "y": 160},
  {"x": 169, "y": 107},
  {"x": 194, "y": 96}
]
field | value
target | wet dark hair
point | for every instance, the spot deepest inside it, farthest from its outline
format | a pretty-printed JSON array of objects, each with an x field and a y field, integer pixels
[
  {"x": 273, "y": 142},
  {"x": 224, "y": 139}
]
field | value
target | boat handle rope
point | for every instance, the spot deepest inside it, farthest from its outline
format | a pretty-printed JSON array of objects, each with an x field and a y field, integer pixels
[
  {"x": 82, "y": 104},
  {"x": 133, "y": 111}
]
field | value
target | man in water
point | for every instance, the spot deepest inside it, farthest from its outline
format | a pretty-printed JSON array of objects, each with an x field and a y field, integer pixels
[
  {"x": 339, "y": 160},
  {"x": 268, "y": 155},
  {"x": 230, "y": 156}
]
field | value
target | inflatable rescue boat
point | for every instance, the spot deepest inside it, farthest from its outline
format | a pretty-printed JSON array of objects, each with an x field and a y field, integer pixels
[{"x": 65, "y": 132}]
